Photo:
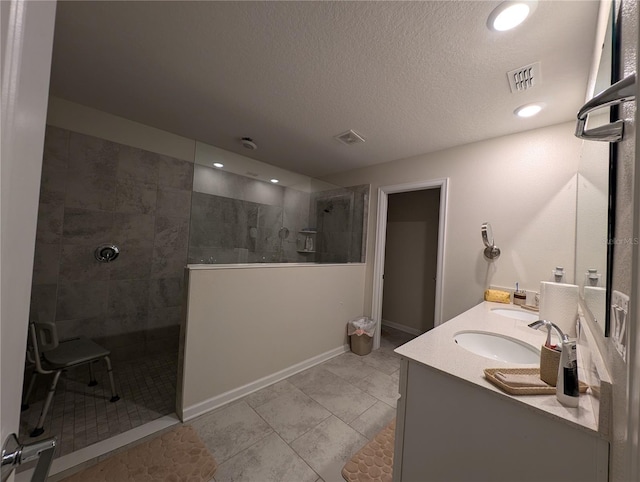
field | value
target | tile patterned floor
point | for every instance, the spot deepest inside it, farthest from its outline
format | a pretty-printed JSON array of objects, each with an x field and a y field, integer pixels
[
  {"x": 306, "y": 427},
  {"x": 81, "y": 415}
]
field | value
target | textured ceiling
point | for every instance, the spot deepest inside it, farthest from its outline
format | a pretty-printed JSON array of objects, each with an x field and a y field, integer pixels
[{"x": 411, "y": 77}]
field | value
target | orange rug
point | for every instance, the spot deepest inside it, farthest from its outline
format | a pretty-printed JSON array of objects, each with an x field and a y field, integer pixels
[
  {"x": 176, "y": 456},
  {"x": 374, "y": 461}
]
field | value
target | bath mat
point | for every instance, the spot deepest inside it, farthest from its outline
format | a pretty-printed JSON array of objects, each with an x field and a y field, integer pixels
[
  {"x": 176, "y": 456},
  {"x": 374, "y": 461}
]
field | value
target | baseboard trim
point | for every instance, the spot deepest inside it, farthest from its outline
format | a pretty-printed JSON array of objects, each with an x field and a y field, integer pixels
[
  {"x": 398, "y": 326},
  {"x": 201, "y": 408}
]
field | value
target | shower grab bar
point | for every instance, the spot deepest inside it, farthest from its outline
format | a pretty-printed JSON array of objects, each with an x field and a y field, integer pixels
[{"x": 622, "y": 91}]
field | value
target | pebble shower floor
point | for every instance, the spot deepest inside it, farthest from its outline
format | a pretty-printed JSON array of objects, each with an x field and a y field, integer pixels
[{"x": 81, "y": 415}]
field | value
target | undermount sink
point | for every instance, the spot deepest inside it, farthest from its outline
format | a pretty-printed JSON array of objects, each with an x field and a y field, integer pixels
[
  {"x": 497, "y": 347},
  {"x": 516, "y": 314}
]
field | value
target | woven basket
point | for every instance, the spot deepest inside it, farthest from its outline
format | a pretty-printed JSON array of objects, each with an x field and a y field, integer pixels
[
  {"x": 489, "y": 374},
  {"x": 549, "y": 363}
]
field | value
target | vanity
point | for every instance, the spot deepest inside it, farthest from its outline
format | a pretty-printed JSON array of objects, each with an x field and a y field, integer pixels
[{"x": 454, "y": 425}]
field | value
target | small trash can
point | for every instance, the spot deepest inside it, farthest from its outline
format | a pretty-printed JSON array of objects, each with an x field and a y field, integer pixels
[{"x": 360, "y": 331}]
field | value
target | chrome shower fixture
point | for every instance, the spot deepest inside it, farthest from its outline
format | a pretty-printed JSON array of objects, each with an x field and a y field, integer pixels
[{"x": 106, "y": 253}]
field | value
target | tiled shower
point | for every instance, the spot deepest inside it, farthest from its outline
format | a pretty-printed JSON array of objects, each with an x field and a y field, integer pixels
[
  {"x": 161, "y": 213},
  {"x": 93, "y": 192},
  {"x": 238, "y": 219}
]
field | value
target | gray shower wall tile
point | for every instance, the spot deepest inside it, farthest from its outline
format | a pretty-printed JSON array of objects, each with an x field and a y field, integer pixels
[
  {"x": 50, "y": 221},
  {"x": 126, "y": 323},
  {"x": 168, "y": 261},
  {"x": 43, "y": 302},
  {"x": 138, "y": 165},
  {"x": 133, "y": 230},
  {"x": 82, "y": 226},
  {"x": 46, "y": 263},
  {"x": 214, "y": 181},
  {"x": 263, "y": 192},
  {"x": 85, "y": 299},
  {"x": 90, "y": 191},
  {"x": 91, "y": 172},
  {"x": 164, "y": 316},
  {"x": 175, "y": 173},
  {"x": 165, "y": 292},
  {"x": 78, "y": 263},
  {"x": 269, "y": 224},
  {"x": 204, "y": 234},
  {"x": 92, "y": 327},
  {"x": 171, "y": 231},
  {"x": 135, "y": 197},
  {"x": 56, "y": 147},
  {"x": 265, "y": 257},
  {"x": 203, "y": 255},
  {"x": 92, "y": 156},
  {"x": 173, "y": 203},
  {"x": 128, "y": 296},
  {"x": 296, "y": 210},
  {"x": 134, "y": 262}
]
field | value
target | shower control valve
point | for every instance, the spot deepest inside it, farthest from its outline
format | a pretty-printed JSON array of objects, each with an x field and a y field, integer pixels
[{"x": 106, "y": 253}]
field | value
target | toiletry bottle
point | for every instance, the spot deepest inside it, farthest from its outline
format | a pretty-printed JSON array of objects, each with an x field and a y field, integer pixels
[
  {"x": 567, "y": 389},
  {"x": 520, "y": 297}
]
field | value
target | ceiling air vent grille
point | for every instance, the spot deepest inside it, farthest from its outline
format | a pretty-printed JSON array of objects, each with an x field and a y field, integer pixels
[
  {"x": 350, "y": 137},
  {"x": 524, "y": 78}
]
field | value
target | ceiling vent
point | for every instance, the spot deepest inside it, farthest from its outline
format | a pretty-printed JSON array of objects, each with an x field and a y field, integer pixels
[
  {"x": 524, "y": 78},
  {"x": 350, "y": 137}
]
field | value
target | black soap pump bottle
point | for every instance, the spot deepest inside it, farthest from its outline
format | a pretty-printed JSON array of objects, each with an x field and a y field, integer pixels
[{"x": 567, "y": 389}]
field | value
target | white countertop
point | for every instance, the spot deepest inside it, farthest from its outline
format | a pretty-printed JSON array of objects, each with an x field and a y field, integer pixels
[{"x": 437, "y": 349}]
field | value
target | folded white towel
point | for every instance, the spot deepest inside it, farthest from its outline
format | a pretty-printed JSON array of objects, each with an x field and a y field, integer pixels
[{"x": 518, "y": 380}]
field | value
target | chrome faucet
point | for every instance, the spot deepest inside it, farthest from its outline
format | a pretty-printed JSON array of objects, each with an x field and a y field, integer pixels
[{"x": 536, "y": 325}]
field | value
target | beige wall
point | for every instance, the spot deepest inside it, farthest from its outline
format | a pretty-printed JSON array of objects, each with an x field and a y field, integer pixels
[
  {"x": 523, "y": 184},
  {"x": 411, "y": 259},
  {"x": 250, "y": 322}
]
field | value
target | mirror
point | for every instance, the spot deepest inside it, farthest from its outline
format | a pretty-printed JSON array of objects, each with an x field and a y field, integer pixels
[
  {"x": 490, "y": 250},
  {"x": 594, "y": 223}
]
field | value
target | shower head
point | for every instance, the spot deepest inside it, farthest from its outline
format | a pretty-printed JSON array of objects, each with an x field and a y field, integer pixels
[{"x": 329, "y": 208}]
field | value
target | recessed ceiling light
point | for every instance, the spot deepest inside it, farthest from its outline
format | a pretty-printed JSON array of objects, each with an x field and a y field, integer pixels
[
  {"x": 510, "y": 14},
  {"x": 528, "y": 110},
  {"x": 218, "y": 164},
  {"x": 275, "y": 181}
]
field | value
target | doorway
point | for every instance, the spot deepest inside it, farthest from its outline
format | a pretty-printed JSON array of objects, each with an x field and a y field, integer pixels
[
  {"x": 409, "y": 256},
  {"x": 410, "y": 261}
]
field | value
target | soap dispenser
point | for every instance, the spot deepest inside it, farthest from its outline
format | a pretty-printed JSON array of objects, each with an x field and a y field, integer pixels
[{"x": 567, "y": 387}]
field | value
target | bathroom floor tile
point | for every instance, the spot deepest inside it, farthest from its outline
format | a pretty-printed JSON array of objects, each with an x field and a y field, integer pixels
[
  {"x": 230, "y": 430},
  {"x": 382, "y": 360},
  {"x": 349, "y": 367},
  {"x": 328, "y": 446},
  {"x": 381, "y": 386},
  {"x": 269, "y": 460},
  {"x": 292, "y": 414},
  {"x": 267, "y": 394},
  {"x": 374, "y": 419},
  {"x": 337, "y": 395}
]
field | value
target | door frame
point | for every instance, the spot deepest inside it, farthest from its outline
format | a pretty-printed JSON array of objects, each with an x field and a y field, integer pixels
[
  {"x": 27, "y": 42},
  {"x": 381, "y": 240}
]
